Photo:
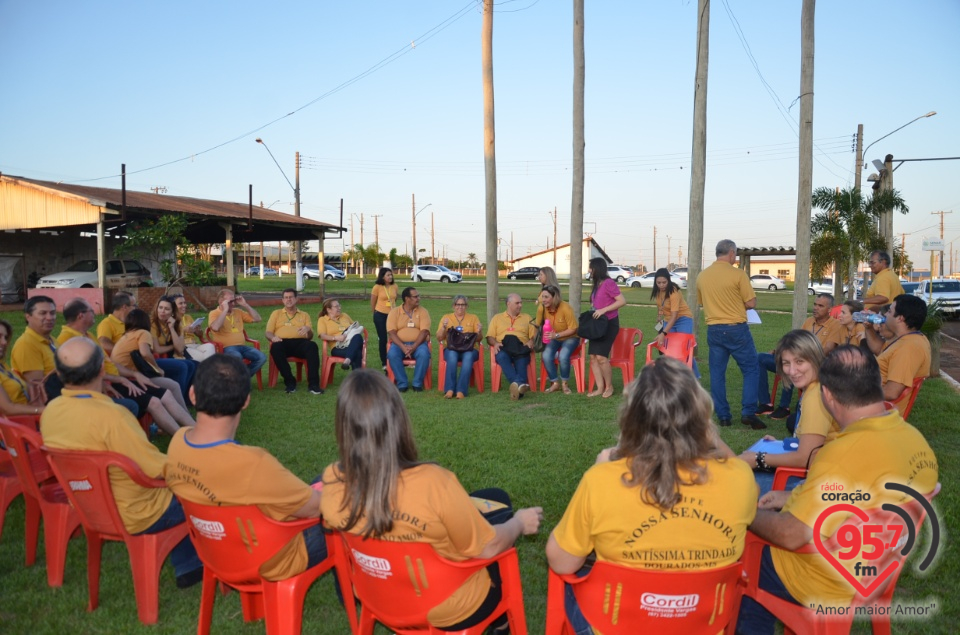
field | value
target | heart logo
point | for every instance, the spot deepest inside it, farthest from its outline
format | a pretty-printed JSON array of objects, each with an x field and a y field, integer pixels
[{"x": 864, "y": 591}]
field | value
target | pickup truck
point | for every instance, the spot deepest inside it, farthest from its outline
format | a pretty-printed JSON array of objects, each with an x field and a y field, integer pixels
[{"x": 945, "y": 290}]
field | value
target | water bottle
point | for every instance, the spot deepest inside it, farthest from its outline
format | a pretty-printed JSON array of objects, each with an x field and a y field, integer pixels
[
  {"x": 547, "y": 330},
  {"x": 866, "y": 317}
]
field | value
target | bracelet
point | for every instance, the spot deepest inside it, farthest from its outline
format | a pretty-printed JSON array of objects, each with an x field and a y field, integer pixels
[{"x": 762, "y": 461}]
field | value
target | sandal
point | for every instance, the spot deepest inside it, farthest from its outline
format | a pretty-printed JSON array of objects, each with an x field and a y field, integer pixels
[
  {"x": 565, "y": 388},
  {"x": 554, "y": 387},
  {"x": 607, "y": 395},
  {"x": 448, "y": 395}
]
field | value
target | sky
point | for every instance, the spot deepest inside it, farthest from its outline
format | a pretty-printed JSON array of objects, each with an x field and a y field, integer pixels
[{"x": 384, "y": 102}]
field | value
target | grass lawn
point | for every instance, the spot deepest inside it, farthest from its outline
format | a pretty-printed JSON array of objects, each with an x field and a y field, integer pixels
[{"x": 536, "y": 449}]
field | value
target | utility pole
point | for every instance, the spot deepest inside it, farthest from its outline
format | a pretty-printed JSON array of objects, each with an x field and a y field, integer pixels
[
  {"x": 654, "y": 247},
  {"x": 903, "y": 250},
  {"x": 512, "y": 254},
  {"x": 554, "y": 237},
  {"x": 298, "y": 246},
  {"x": 433, "y": 255},
  {"x": 376, "y": 234},
  {"x": 362, "y": 263},
  {"x": 941, "y": 238},
  {"x": 413, "y": 218},
  {"x": 668, "y": 252},
  {"x": 353, "y": 244}
]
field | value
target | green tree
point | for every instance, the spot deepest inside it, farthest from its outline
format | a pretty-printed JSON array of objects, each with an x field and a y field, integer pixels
[
  {"x": 845, "y": 231},
  {"x": 162, "y": 245}
]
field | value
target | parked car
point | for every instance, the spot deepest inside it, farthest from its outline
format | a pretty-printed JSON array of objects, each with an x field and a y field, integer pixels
[
  {"x": 910, "y": 287},
  {"x": 267, "y": 271},
  {"x": 822, "y": 285},
  {"x": 434, "y": 273},
  {"x": 765, "y": 281},
  {"x": 329, "y": 272},
  {"x": 946, "y": 290},
  {"x": 617, "y": 272},
  {"x": 525, "y": 273},
  {"x": 647, "y": 281},
  {"x": 680, "y": 272},
  {"x": 120, "y": 274}
]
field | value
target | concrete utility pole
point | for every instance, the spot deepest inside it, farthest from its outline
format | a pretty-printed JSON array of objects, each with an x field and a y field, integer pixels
[
  {"x": 433, "y": 255},
  {"x": 554, "y": 238},
  {"x": 577, "y": 189},
  {"x": 668, "y": 252},
  {"x": 489, "y": 161},
  {"x": 698, "y": 157},
  {"x": 941, "y": 213},
  {"x": 298, "y": 246},
  {"x": 654, "y": 247},
  {"x": 376, "y": 229},
  {"x": 362, "y": 254},
  {"x": 413, "y": 220},
  {"x": 353, "y": 244},
  {"x": 805, "y": 176}
]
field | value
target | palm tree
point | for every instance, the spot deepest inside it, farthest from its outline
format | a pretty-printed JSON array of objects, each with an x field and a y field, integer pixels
[{"x": 845, "y": 231}]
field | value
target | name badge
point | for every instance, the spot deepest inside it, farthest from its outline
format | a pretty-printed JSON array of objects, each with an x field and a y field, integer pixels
[
  {"x": 389, "y": 303},
  {"x": 410, "y": 325}
]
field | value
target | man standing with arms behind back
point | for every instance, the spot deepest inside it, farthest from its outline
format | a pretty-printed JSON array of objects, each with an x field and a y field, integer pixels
[
  {"x": 886, "y": 285},
  {"x": 725, "y": 294}
]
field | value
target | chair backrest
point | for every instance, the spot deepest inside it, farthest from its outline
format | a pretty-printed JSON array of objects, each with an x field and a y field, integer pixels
[
  {"x": 620, "y": 600},
  {"x": 624, "y": 345},
  {"x": 399, "y": 582},
  {"x": 23, "y": 446},
  {"x": 910, "y": 394},
  {"x": 235, "y": 541},
  {"x": 85, "y": 477},
  {"x": 677, "y": 345}
]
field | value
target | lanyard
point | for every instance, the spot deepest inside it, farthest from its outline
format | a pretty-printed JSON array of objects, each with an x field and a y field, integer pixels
[
  {"x": 816, "y": 331},
  {"x": 409, "y": 315},
  {"x": 290, "y": 319},
  {"x": 14, "y": 377}
]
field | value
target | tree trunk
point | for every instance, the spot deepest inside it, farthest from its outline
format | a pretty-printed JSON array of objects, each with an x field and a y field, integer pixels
[
  {"x": 698, "y": 161},
  {"x": 576, "y": 199},
  {"x": 489, "y": 161},
  {"x": 805, "y": 189}
]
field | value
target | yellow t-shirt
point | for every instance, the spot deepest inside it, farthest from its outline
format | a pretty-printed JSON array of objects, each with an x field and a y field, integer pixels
[
  {"x": 864, "y": 456},
  {"x": 128, "y": 343},
  {"x": 722, "y": 290},
  {"x": 470, "y": 324},
  {"x": 666, "y": 305},
  {"x": 111, "y": 327},
  {"x": 887, "y": 284},
  {"x": 387, "y": 297},
  {"x": 903, "y": 360},
  {"x": 408, "y": 325},
  {"x": 855, "y": 336},
  {"x": 233, "y": 474},
  {"x": 328, "y": 326},
  {"x": 561, "y": 320},
  {"x": 814, "y": 418},
  {"x": 189, "y": 339},
  {"x": 13, "y": 385},
  {"x": 286, "y": 327},
  {"x": 432, "y": 507},
  {"x": 231, "y": 331},
  {"x": 502, "y": 325},
  {"x": 31, "y": 352},
  {"x": 67, "y": 333},
  {"x": 705, "y": 530},
  {"x": 829, "y": 331},
  {"x": 83, "y": 420}
]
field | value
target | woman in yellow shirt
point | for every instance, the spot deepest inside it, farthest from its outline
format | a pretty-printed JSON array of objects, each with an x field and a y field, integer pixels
[
  {"x": 383, "y": 297},
  {"x": 196, "y": 349},
  {"x": 463, "y": 322},
  {"x": 560, "y": 340},
  {"x": 673, "y": 314},
  {"x": 853, "y": 332},
  {"x": 331, "y": 327},
  {"x": 13, "y": 397},
  {"x": 167, "y": 331}
]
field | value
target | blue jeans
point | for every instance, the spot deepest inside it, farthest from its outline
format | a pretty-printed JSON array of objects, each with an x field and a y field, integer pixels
[
  {"x": 180, "y": 371},
  {"x": 515, "y": 368},
  {"x": 754, "y": 619},
  {"x": 765, "y": 482},
  {"x": 256, "y": 358},
  {"x": 467, "y": 360},
  {"x": 565, "y": 348},
  {"x": 421, "y": 355},
  {"x": 725, "y": 340},
  {"x": 575, "y": 616},
  {"x": 768, "y": 364},
  {"x": 183, "y": 557}
]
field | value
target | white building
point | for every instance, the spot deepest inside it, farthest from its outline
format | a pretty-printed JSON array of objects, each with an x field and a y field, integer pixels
[{"x": 546, "y": 258}]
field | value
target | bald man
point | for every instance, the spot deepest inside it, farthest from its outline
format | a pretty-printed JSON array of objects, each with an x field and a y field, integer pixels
[{"x": 510, "y": 334}]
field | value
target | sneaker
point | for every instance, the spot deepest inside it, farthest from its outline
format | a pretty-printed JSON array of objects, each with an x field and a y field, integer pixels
[
  {"x": 724, "y": 423},
  {"x": 418, "y": 389},
  {"x": 404, "y": 389},
  {"x": 764, "y": 408},
  {"x": 316, "y": 390},
  {"x": 754, "y": 422},
  {"x": 524, "y": 389},
  {"x": 780, "y": 413},
  {"x": 346, "y": 365},
  {"x": 190, "y": 578},
  {"x": 291, "y": 388},
  {"x": 514, "y": 391}
]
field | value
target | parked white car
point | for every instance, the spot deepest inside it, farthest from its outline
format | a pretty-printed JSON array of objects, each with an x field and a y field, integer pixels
[
  {"x": 434, "y": 273},
  {"x": 822, "y": 285},
  {"x": 83, "y": 275},
  {"x": 765, "y": 281},
  {"x": 617, "y": 272},
  {"x": 647, "y": 281}
]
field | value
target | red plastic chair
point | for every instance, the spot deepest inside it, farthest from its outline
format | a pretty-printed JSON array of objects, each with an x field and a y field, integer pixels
[
  {"x": 496, "y": 372},
  {"x": 476, "y": 377},
  {"x": 219, "y": 347},
  {"x": 577, "y": 362},
  {"x": 234, "y": 542},
  {"x": 910, "y": 395},
  {"x": 273, "y": 371},
  {"x": 410, "y": 363},
  {"x": 10, "y": 486},
  {"x": 801, "y": 619},
  {"x": 678, "y": 345},
  {"x": 835, "y": 311},
  {"x": 623, "y": 354},
  {"x": 85, "y": 477},
  {"x": 616, "y": 600},
  {"x": 398, "y": 583},
  {"x": 43, "y": 498},
  {"x": 329, "y": 363}
]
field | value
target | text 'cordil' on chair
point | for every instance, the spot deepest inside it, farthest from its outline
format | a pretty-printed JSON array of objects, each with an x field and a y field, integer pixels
[
  {"x": 85, "y": 477},
  {"x": 398, "y": 583},
  {"x": 234, "y": 542},
  {"x": 618, "y": 600}
]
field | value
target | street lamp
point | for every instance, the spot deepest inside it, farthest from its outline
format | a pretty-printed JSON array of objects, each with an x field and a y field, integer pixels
[
  {"x": 415, "y": 255},
  {"x": 296, "y": 211}
]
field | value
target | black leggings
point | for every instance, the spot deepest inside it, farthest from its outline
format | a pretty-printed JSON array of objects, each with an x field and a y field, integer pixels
[{"x": 380, "y": 321}]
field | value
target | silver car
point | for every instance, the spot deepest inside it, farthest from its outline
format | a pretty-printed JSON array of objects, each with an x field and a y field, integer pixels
[
  {"x": 120, "y": 274},
  {"x": 434, "y": 273},
  {"x": 766, "y": 281}
]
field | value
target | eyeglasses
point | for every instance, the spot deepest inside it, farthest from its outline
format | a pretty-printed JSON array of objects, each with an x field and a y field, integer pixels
[
  {"x": 460, "y": 304},
  {"x": 415, "y": 297}
]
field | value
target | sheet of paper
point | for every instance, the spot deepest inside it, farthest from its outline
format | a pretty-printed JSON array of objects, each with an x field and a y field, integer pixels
[
  {"x": 197, "y": 322},
  {"x": 753, "y": 317}
]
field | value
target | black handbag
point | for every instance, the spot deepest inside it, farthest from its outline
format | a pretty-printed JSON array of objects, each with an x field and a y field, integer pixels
[
  {"x": 592, "y": 328},
  {"x": 513, "y": 347},
  {"x": 538, "y": 343},
  {"x": 461, "y": 341},
  {"x": 145, "y": 367}
]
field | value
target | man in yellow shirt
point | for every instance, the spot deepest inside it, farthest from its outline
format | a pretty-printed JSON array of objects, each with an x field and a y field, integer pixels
[
  {"x": 226, "y": 328},
  {"x": 509, "y": 355},
  {"x": 875, "y": 447},
  {"x": 408, "y": 327},
  {"x": 32, "y": 353},
  {"x": 111, "y": 328},
  {"x": 725, "y": 294},
  {"x": 291, "y": 335},
  {"x": 886, "y": 285},
  {"x": 905, "y": 355},
  {"x": 83, "y": 418}
]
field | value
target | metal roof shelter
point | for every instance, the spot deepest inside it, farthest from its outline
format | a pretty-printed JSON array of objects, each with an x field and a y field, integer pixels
[
  {"x": 46, "y": 205},
  {"x": 745, "y": 253}
]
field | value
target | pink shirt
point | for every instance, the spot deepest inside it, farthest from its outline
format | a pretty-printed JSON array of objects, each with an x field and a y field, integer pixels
[{"x": 605, "y": 295}]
